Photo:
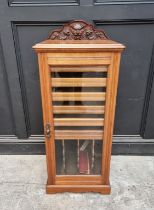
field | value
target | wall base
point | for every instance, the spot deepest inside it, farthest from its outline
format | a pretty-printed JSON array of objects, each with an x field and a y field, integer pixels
[{"x": 35, "y": 145}]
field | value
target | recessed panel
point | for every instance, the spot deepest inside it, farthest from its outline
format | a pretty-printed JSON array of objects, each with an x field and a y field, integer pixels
[
  {"x": 100, "y": 2},
  {"x": 29, "y": 71},
  {"x": 42, "y": 2},
  {"x": 133, "y": 72},
  {"x": 6, "y": 122}
]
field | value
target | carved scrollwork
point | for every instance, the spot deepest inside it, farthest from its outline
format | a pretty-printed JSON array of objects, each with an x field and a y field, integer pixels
[{"x": 77, "y": 30}]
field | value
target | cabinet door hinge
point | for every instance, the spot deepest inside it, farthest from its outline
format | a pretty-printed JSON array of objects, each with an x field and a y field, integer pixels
[{"x": 47, "y": 130}]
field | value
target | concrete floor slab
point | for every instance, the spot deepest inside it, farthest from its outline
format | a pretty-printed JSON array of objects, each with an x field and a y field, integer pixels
[{"x": 23, "y": 179}]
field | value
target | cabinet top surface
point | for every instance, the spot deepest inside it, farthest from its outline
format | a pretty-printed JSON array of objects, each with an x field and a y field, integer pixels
[{"x": 78, "y": 44}]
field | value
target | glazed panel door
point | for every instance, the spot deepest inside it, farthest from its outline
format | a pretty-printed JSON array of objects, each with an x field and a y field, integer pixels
[
  {"x": 74, "y": 89},
  {"x": 78, "y": 108}
]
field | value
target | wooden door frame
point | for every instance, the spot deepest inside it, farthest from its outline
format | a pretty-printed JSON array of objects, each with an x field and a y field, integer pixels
[{"x": 55, "y": 182}]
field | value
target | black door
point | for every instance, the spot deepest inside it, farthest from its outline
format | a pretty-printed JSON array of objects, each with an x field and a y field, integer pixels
[{"x": 24, "y": 23}]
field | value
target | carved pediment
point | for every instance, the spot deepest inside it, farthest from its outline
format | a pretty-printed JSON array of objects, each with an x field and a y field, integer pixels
[{"x": 77, "y": 30}]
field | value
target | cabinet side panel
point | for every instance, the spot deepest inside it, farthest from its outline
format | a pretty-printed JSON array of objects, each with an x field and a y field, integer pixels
[{"x": 112, "y": 82}]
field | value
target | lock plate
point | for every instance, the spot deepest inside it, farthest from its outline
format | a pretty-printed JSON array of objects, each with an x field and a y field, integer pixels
[{"x": 47, "y": 130}]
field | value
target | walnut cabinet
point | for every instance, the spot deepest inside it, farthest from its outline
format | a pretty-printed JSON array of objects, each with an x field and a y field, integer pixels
[{"x": 79, "y": 68}]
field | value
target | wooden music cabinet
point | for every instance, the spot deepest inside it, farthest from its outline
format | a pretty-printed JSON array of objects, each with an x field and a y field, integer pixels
[{"x": 79, "y": 68}]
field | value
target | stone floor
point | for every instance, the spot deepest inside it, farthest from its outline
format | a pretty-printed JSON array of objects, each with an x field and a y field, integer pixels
[{"x": 23, "y": 178}]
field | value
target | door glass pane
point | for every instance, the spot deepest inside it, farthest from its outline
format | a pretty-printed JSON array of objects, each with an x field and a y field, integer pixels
[
  {"x": 75, "y": 157},
  {"x": 78, "y": 98}
]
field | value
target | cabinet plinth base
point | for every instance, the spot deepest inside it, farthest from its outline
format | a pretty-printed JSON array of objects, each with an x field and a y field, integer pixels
[{"x": 103, "y": 189}]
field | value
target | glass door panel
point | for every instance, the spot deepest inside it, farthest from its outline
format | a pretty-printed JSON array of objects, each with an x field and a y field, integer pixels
[
  {"x": 78, "y": 95},
  {"x": 76, "y": 157}
]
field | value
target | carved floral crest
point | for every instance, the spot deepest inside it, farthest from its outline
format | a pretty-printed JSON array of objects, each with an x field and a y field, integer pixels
[{"x": 77, "y": 30}]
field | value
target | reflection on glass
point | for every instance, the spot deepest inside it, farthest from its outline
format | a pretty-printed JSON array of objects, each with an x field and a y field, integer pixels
[
  {"x": 78, "y": 95},
  {"x": 78, "y": 157}
]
